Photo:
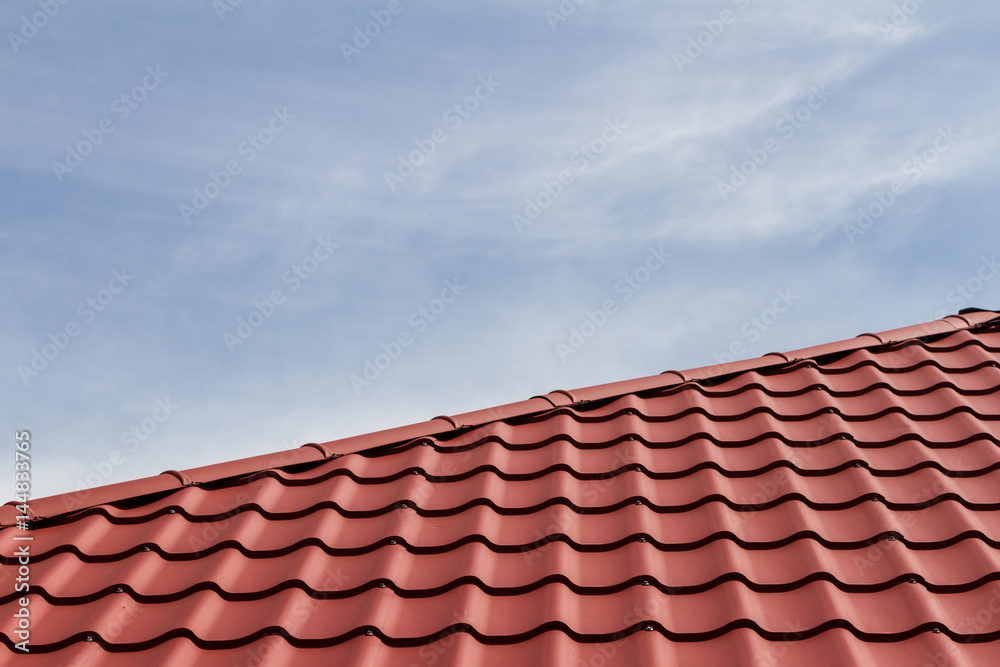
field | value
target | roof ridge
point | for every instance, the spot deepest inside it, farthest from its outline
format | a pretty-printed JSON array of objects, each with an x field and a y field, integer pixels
[{"x": 966, "y": 319}]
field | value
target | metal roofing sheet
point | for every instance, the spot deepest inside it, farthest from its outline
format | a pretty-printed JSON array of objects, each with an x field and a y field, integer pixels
[{"x": 836, "y": 505}]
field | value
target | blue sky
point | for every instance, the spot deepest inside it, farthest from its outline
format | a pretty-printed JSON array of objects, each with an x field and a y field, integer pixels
[{"x": 218, "y": 215}]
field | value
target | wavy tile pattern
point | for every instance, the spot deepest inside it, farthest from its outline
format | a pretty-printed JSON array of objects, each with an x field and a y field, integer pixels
[{"x": 838, "y": 509}]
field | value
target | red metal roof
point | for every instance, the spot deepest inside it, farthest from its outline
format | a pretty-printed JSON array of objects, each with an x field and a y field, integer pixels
[{"x": 834, "y": 505}]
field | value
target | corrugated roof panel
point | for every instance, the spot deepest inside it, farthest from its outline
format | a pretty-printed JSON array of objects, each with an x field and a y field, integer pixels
[{"x": 841, "y": 509}]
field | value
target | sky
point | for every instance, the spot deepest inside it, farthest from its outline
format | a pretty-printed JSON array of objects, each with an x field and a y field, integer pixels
[{"x": 232, "y": 227}]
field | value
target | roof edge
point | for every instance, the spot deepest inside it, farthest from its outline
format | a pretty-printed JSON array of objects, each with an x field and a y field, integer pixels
[{"x": 968, "y": 318}]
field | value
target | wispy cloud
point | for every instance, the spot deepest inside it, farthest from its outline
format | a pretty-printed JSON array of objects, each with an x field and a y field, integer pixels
[{"x": 533, "y": 141}]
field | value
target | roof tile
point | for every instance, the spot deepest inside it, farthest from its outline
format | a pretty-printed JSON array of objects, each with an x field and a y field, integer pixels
[{"x": 833, "y": 505}]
